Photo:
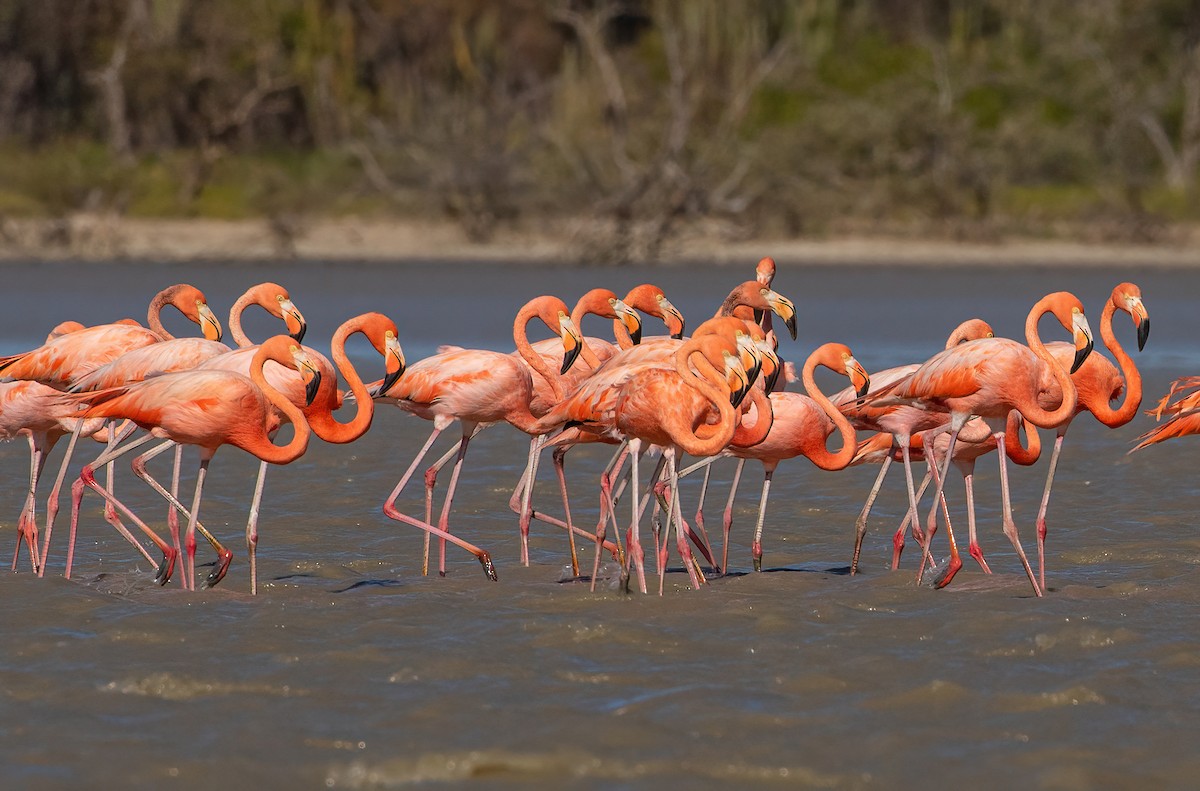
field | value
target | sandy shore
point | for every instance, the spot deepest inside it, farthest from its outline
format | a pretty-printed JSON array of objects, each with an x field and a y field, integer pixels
[{"x": 98, "y": 237}]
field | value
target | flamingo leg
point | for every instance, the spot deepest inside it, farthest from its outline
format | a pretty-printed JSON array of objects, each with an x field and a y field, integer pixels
[
  {"x": 756, "y": 545},
  {"x": 703, "y": 490},
  {"x": 535, "y": 454},
  {"x": 431, "y": 475},
  {"x": 932, "y": 528},
  {"x": 389, "y": 505},
  {"x": 860, "y": 525},
  {"x": 52, "y": 500},
  {"x": 27, "y": 521},
  {"x": 634, "y": 541},
  {"x": 444, "y": 519},
  {"x": 1041, "y": 517},
  {"x": 87, "y": 479},
  {"x": 390, "y": 510},
  {"x": 561, "y": 473},
  {"x": 173, "y": 512},
  {"x": 1010, "y": 527},
  {"x": 608, "y": 510},
  {"x": 224, "y": 556},
  {"x": 727, "y": 520},
  {"x": 973, "y": 545},
  {"x": 957, "y": 421},
  {"x": 676, "y": 515}
]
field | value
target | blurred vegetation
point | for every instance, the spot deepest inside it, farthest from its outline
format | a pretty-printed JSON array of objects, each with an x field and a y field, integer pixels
[{"x": 632, "y": 121}]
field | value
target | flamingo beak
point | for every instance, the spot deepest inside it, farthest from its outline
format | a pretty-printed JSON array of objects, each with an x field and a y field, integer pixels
[
  {"x": 209, "y": 324},
  {"x": 1083, "y": 341},
  {"x": 294, "y": 320},
  {"x": 673, "y": 319},
  {"x": 394, "y": 365},
  {"x": 783, "y": 308},
  {"x": 631, "y": 320},
  {"x": 1142, "y": 319},
  {"x": 859, "y": 377},
  {"x": 1143, "y": 329},
  {"x": 572, "y": 343},
  {"x": 313, "y": 385}
]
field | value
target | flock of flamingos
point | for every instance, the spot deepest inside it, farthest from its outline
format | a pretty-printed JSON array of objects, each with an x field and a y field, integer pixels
[{"x": 718, "y": 393}]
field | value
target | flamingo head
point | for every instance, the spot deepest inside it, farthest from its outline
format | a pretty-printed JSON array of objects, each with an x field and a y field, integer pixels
[
  {"x": 736, "y": 378},
  {"x": 1128, "y": 297},
  {"x": 772, "y": 367},
  {"x": 629, "y": 317},
  {"x": 210, "y": 325},
  {"x": 1067, "y": 308},
  {"x": 750, "y": 355},
  {"x": 764, "y": 273},
  {"x": 782, "y": 307},
  {"x": 384, "y": 336}
]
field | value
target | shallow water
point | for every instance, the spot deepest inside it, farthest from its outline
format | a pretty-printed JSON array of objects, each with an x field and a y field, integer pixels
[{"x": 351, "y": 670}]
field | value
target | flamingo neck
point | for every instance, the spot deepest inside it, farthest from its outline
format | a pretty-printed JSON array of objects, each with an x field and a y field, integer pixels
[
  {"x": 535, "y": 361},
  {"x": 1016, "y": 452},
  {"x": 1133, "y": 378},
  {"x": 154, "y": 315},
  {"x": 263, "y": 448},
  {"x": 844, "y": 455},
  {"x": 235, "y": 320},
  {"x": 681, "y": 428},
  {"x": 1029, "y": 406},
  {"x": 764, "y": 418},
  {"x": 323, "y": 423}
]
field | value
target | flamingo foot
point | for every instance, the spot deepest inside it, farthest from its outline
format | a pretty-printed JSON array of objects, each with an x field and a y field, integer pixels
[
  {"x": 947, "y": 574},
  {"x": 897, "y": 549},
  {"x": 756, "y": 553},
  {"x": 166, "y": 568},
  {"x": 977, "y": 553},
  {"x": 486, "y": 561},
  {"x": 218, "y": 573}
]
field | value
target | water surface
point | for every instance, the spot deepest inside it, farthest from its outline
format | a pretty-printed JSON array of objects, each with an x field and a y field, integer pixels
[{"x": 351, "y": 670}]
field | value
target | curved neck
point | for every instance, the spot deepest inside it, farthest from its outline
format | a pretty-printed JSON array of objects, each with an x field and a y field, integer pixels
[
  {"x": 1133, "y": 378},
  {"x": 1017, "y": 452},
  {"x": 624, "y": 339},
  {"x": 764, "y": 418},
  {"x": 682, "y": 430},
  {"x": 823, "y": 458},
  {"x": 535, "y": 361},
  {"x": 1030, "y": 407},
  {"x": 154, "y": 315},
  {"x": 323, "y": 423},
  {"x": 264, "y": 449},
  {"x": 235, "y": 320}
]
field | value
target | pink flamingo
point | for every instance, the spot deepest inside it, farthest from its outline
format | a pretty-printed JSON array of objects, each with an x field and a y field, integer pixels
[
  {"x": 318, "y": 412},
  {"x": 801, "y": 426},
  {"x": 474, "y": 387},
  {"x": 207, "y": 409},
  {"x": 989, "y": 378},
  {"x": 1099, "y": 383}
]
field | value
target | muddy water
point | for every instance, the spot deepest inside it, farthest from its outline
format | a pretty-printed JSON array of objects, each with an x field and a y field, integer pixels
[{"x": 351, "y": 670}]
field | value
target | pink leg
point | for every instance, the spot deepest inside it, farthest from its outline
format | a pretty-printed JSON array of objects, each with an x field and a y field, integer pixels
[
  {"x": 389, "y": 509},
  {"x": 727, "y": 521},
  {"x": 898, "y": 538},
  {"x": 172, "y": 512},
  {"x": 561, "y": 473},
  {"x": 968, "y": 471},
  {"x": 52, "y": 500},
  {"x": 608, "y": 510},
  {"x": 1041, "y": 517},
  {"x": 635, "y": 540},
  {"x": 756, "y": 546},
  {"x": 957, "y": 421},
  {"x": 1010, "y": 527},
  {"x": 87, "y": 478},
  {"x": 932, "y": 528},
  {"x": 444, "y": 519},
  {"x": 389, "y": 505},
  {"x": 676, "y": 515},
  {"x": 860, "y": 526}
]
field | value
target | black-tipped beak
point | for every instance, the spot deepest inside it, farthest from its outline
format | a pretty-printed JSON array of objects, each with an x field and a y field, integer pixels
[
  {"x": 758, "y": 316},
  {"x": 863, "y": 389},
  {"x": 636, "y": 335},
  {"x": 739, "y": 395},
  {"x": 298, "y": 333},
  {"x": 790, "y": 323},
  {"x": 569, "y": 356},
  {"x": 677, "y": 335},
  {"x": 388, "y": 380},
  {"x": 310, "y": 390},
  {"x": 1081, "y": 355},
  {"x": 1143, "y": 333}
]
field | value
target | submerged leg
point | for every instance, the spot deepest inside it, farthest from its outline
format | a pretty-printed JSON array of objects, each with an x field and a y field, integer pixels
[{"x": 1041, "y": 517}]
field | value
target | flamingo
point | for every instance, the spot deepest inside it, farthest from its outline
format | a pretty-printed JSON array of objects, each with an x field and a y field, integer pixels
[
  {"x": 588, "y": 412},
  {"x": 900, "y": 422},
  {"x": 207, "y": 409},
  {"x": 475, "y": 387},
  {"x": 670, "y": 408},
  {"x": 318, "y": 410},
  {"x": 1099, "y": 383},
  {"x": 1184, "y": 413},
  {"x": 990, "y": 377},
  {"x": 800, "y": 427}
]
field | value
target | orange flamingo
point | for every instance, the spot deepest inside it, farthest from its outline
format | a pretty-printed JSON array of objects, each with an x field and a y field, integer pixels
[
  {"x": 989, "y": 378},
  {"x": 207, "y": 409},
  {"x": 900, "y": 422},
  {"x": 475, "y": 387},
  {"x": 1183, "y": 412},
  {"x": 801, "y": 426},
  {"x": 318, "y": 410},
  {"x": 670, "y": 408},
  {"x": 1099, "y": 383}
]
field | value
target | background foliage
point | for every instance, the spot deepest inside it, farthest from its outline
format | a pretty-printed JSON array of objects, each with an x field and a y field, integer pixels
[{"x": 635, "y": 119}]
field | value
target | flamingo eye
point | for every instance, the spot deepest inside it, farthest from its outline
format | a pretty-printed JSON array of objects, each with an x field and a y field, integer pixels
[{"x": 279, "y": 297}]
